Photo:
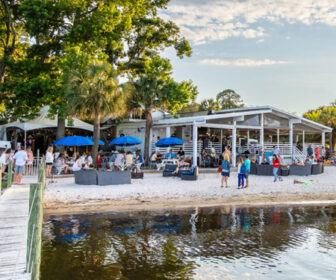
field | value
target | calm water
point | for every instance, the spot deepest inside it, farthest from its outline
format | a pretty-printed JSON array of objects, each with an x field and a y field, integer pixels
[{"x": 202, "y": 243}]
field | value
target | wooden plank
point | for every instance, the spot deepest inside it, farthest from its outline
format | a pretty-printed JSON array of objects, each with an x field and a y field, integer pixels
[{"x": 13, "y": 232}]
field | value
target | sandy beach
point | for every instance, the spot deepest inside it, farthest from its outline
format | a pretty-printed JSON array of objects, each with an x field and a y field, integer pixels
[{"x": 156, "y": 192}]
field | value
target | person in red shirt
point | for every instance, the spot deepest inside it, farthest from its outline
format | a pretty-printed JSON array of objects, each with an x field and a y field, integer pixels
[
  {"x": 276, "y": 166},
  {"x": 317, "y": 153}
]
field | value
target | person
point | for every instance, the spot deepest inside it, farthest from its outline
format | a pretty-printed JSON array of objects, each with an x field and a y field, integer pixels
[
  {"x": 129, "y": 160},
  {"x": 323, "y": 153},
  {"x": 89, "y": 159},
  {"x": 20, "y": 159},
  {"x": 49, "y": 160},
  {"x": 310, "y": 151},
  {"x": 253, "y": 150},
  {"x": 77, "y": 165},
  {"x": 170, "y": 154},
  {"x": 204, "y": 156},
  {"x": 275, "y": 151},
  {"x": 264, "y": 162},
  {"x": 276, "y": 166},
  {"x": 70, "y": 152},
  {"x": 3, "y": 160},
  {"x": 138, "y": 160},
  {"x": 180, "y": 153},
  {"x": 241, "y": 173},
  {"x": 154, "y": 159},
  {"x": 225, "y": 171},
  {"x": 60, "y": 164},
  {"x": 317, "y": 153},
  {"x": 181, "y": 163},
  {"x": 119, "y": 161},
  {"x": 227, "y": 152},
  {"x": 247, "y": 164},
  {"x": 30, "y": 158},
  {"x": 212, "y": 156},
  {"x": 99, "y": 161}
]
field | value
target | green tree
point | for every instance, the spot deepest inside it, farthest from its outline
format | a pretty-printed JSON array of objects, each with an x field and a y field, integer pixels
[
  {"x": 155, "y": 89},
  {"x": 229, "y": 99},
  {"x": 209, "y": 104},
  {"x": 325, "y": 115},
  {"x": 192, "y": 107},
  {"x": 94, "y": 91}
]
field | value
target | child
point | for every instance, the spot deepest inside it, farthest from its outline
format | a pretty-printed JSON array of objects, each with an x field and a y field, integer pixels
[
  {"x": 241, "y": 173},
  {"x": 225, "y": 171}
]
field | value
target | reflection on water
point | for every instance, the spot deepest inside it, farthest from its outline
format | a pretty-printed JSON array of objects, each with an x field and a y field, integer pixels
[{"x": 202, "y": 243}]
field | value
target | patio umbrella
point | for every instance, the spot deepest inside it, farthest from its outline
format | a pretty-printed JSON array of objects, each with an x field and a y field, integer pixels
[
  {"x": 100, "y": 142},
  {"x": 169, "y": 141},
  {"x": 125, "y": 141},
  {"x": 73, "y": 141}
]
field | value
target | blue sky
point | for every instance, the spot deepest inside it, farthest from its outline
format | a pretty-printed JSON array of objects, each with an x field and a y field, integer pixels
[{"x": 272, "y": 52}]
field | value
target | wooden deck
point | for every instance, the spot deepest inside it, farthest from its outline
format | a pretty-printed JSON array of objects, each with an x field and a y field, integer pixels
[{"x": 13, "y": 232}]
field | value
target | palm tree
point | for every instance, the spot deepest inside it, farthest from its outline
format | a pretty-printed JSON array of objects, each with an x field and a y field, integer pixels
[{"x": 94, "y": 92}]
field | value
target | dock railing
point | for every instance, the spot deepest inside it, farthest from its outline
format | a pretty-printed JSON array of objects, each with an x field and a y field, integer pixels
[{"x": 35, "y": 223}]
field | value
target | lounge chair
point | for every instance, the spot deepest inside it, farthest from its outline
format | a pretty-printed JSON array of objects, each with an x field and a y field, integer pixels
[
  {"x": 86, "y": 177},
  {"x": 169, "y": 169},
  {"x": 190, "y": 175}
]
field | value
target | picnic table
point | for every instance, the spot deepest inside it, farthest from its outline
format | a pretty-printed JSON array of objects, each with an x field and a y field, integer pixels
[{"x": 166, "y": 161}]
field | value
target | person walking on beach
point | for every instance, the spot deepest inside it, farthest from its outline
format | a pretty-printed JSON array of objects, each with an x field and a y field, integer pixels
[
  {"x": 225, "y": 171},
  {"x": 276, "y": 165},
  {"x": 241, "y": 173},
  {"x": 49, "y": 160},
  {"x": 247, "y": 164}
]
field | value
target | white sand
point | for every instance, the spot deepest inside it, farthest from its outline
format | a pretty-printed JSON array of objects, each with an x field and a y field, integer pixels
[{"x": 206, "y": 187}]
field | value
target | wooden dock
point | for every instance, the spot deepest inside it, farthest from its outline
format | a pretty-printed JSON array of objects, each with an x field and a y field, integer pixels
[{"x": 13, "y": 232}]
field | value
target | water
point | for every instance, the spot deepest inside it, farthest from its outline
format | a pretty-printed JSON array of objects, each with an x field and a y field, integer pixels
[{"x": 201, "y": 243}]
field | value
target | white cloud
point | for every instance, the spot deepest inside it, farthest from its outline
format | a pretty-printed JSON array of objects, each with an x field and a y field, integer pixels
[
  {"x": 203, "y": 21},
  {"x": 242, "y": 62}
]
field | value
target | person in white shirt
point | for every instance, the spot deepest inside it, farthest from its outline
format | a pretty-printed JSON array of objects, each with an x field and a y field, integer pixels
[
  {"x": 77, "y": 165},
  {"x": 49, "y": 160},
  {"x": 20, "y": 159}
]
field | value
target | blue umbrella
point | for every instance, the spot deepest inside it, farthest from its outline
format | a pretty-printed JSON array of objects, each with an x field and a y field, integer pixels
[
  {"x": 73, "y": 141},
  {"x": 125, "y": 141},
  {"x": 169, "y": 141},
  {"x": 100, "y": 142}
]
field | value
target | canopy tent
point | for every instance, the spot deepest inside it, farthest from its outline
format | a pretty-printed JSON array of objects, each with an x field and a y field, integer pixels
[{"x": 43, "y": 121}]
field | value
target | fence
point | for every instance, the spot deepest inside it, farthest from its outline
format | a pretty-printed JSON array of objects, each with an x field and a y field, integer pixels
[{"x": 35, "y": 224}]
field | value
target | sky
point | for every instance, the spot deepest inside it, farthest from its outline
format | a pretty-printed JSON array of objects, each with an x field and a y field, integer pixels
[{"x": 272, "y": 52}]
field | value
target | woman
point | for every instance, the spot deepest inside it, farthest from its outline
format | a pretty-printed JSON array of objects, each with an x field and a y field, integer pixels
[
  {"x": 30, "y": 158},
  {"x": 225, "y": 170},
  {"x": 49, "y": 160},
  {"x": 99, "y": 161},
  {"x": 77, "y": 165},
  {"x": 276, "y": 166},
  {"x": 60, "y": 164},
  {"x": 182, "y": 163}
]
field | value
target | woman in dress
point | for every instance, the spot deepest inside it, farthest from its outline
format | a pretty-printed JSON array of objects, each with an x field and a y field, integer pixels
[
  {"x": 30, "y": 158},
  {"x": 49, "y": 160}
]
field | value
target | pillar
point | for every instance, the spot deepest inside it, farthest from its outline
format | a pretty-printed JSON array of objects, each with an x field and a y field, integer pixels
[
  {"x": 278, "y": 138},
  {"x": 303, "y": 141},
  {"x": 323, "y": 139},
  {"x": 248, "y": 140},
  {"x": 168, "y": 135},
  {"x": 261, "y": 138},
  {"x": 194, "y": 144},
  {"x": 221, "y": 140},
  {"x": 234, "y": 143},
  {"x": 291, "y": 138}
]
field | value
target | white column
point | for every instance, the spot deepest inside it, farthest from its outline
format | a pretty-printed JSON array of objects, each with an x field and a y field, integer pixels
[
  {"x": 278, "y": 138},
  {"x": 261, "y": 138},
  {"x": 234, "y": 142},
  {"x": 194, "y": 144},
  {"x": 221, "y": 140},
  {"x": 303, "y": 141},
  {"x": 168, "y": 135},
  {"x": 296, "y": 138},
  {"x": 291, "y": 138},
  {"x": 323, "y": 139}
]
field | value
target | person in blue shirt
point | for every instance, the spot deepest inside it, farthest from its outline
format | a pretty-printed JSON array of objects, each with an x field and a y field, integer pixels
[
  {"x": 170, "y": 154},
  {"x": 225, "y": 171},
  {"x": 247, "y": 164},
  {"x": 241, "y": 173}
]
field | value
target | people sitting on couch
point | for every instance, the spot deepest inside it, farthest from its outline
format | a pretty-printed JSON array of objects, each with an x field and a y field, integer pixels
[{"x": 181, "y": 164}]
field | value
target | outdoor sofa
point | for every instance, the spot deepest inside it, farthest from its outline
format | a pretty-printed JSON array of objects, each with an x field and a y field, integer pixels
[
  {"x": 102, "y": 178},
  {"x": 189, "y": 175},
  {"x": 169, "y": 169},
  {"x": 317, "y": 169},
  {"x": 300, "y": 170}
]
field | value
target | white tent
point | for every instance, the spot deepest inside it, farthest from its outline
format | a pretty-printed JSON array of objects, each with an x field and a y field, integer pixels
[{"x": 43, "y": 121}]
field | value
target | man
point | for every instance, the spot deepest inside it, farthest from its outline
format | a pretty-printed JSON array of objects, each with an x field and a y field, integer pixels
[
  {"x": 170, "y": 154},
  {"x": 247, "y": 163},
  {"x": 310, "y": 151},
  {"x": 20, "y": 159},
  {"x": 275, "y": 151}
]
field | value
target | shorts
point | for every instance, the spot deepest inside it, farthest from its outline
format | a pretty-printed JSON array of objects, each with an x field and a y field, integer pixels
[
  {"x": 247, "y": 173},
  {"x": 19, "y": 169},
  {"x": 49, "y": 163},
  {"x": 226, "y": 174}
]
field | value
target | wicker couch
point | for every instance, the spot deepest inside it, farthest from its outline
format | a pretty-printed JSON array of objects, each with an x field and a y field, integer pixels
[
  {"x": 300, "y": 170},
  {"x": 114, "y": 177},
  {"x": 189, "y": 176},
  {"x": 86, "y": 177},
  {"x": 169, "y": 169}
]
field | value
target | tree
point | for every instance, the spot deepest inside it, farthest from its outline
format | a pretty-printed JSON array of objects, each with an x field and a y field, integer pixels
[
  {"x": 327, "y": 116},
  {"x": 94, "y": 91},
  {"x": 209, "y": 104},
  {"x": 192, "y": 107},
  {"x": 155, "y": 89},
  {"x": 229, "y": 99}
]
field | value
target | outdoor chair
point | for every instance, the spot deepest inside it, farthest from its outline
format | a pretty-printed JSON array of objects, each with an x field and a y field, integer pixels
[
  {"x": 253, "y": 169},
  {"x": 86, "y": 177},
  {"x": 114, "y": 177},
  {"x": 169, "y": 169},
  {"x": 265, "y": 170},
  {"x": 316, "y": 169},
  {"x": 189, "y": 175},
  {"x": 300, "y": 170}
]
